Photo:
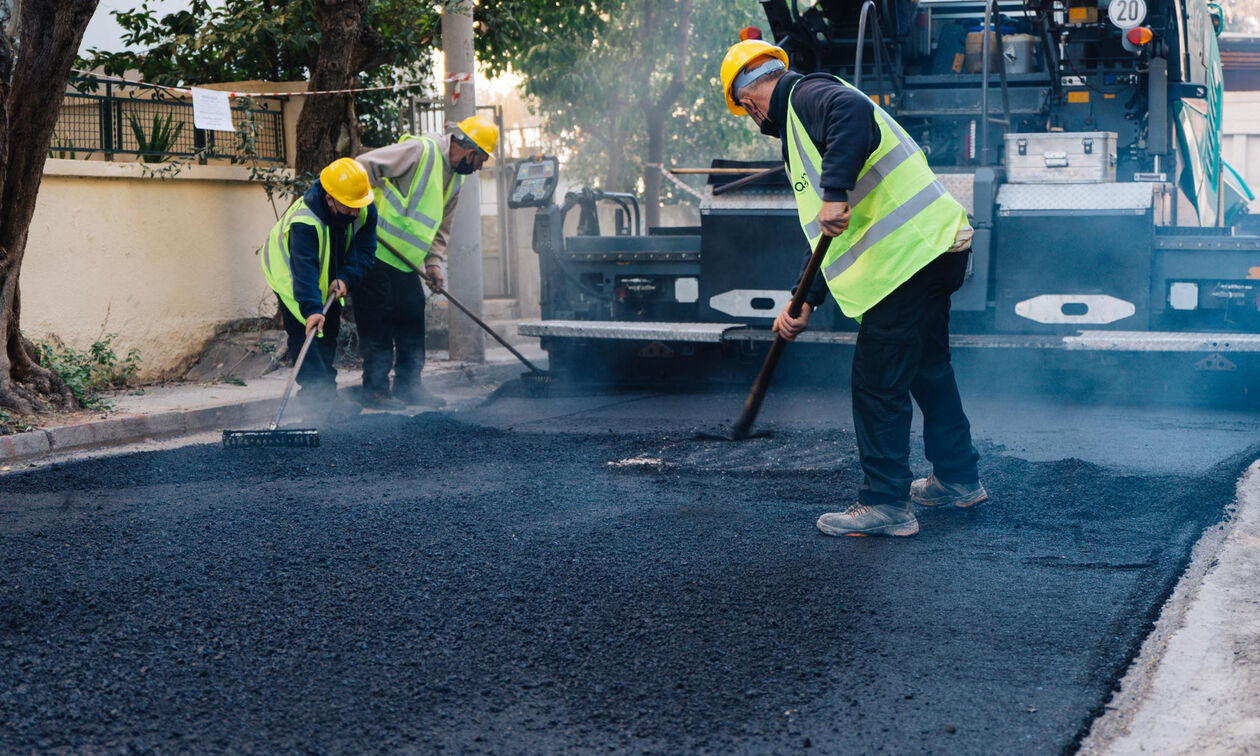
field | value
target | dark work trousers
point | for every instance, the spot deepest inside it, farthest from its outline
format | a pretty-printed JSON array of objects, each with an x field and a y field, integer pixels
[
  {"x": 318, "y": 376},
  {"x": 389, "y": 311},
  {"x": 903, "y": 351}
]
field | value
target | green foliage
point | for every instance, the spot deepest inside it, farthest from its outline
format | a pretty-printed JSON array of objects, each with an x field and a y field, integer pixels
[
  {"x": 594, "y": 69},
  {"x": 276, "y": 180},
  {"x": 90, "y": 371},
  {"x": 236, "y": 40},
  {"x": 159, "y": 140},
  {"x": 10, "y": 423},
  {"x": 65, "y": 150},
  {"x": 273, "y": 40}
]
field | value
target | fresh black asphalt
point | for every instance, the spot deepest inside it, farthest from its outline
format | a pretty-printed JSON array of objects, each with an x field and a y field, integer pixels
[{"x": 544, "y": 578}]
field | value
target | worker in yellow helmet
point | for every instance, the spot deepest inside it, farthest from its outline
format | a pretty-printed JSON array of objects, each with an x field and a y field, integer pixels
[
  {"x": 898, "y": 249},
  {"x": 417, "y": 183},
  {"x": 322, "y": 246}
]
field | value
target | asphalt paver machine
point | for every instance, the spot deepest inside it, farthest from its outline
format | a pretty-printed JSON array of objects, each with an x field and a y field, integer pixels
[{"x": 1083, "y": 138}]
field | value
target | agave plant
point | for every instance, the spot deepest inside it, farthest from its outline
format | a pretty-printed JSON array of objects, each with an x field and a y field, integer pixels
[{"x": 154, "y": 144}]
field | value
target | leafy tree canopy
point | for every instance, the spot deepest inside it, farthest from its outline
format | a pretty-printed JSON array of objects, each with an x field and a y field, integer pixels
[
  {"x": 594, "y": 67},
  {"x": 272, "y": 40}
]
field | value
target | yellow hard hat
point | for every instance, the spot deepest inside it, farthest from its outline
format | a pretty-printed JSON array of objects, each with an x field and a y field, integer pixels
[
  {"x": 740, "y": 55},
  {"x": 347, "y": 181},
  {"x": 481, "y": 132}
]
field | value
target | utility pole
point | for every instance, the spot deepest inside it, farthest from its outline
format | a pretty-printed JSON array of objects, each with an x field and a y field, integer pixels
[{"x": 463, "y": 260}]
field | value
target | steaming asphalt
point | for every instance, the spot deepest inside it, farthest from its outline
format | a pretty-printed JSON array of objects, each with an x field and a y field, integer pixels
[{"x": 578, "y": 575}]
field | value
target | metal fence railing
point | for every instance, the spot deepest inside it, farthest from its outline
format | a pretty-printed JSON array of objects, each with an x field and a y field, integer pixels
[{"x": 108, "y": 118}]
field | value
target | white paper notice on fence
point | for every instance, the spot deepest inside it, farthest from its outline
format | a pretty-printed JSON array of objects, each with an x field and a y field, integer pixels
[{"x": 211, "y": 110}]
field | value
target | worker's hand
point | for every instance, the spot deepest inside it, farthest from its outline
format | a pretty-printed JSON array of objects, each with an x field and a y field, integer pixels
[
  {"x": 834, "y": 218},
  {"x": 789, "y": 327},
  {"x": 433, "y": 277},
  {"x": 338, "y": 288},
  {"x": 315, "y": 323}
]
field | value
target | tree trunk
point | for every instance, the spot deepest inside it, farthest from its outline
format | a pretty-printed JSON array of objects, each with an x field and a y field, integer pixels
[
  {"x": 328, "y": 128},
  {"x": 50, "y": 32},
  {"x": 655, "y": 116}
]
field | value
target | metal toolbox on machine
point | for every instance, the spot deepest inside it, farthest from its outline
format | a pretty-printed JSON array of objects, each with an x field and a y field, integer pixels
[{"x": 1063, "y": 157}]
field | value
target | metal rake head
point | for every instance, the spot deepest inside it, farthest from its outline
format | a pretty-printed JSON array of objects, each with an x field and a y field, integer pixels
[{"x": 292, "y": 438}]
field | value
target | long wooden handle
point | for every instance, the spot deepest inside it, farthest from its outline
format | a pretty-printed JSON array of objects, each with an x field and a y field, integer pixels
[
  {"x": 713, "y": 171},
  {"x": 746, "y": 180},
  {"x": 466, "y": 311},
  {"x": 758, "y": 391},
  {"x": 297, "y": 365},
  {"x": 488, "y": 330}
]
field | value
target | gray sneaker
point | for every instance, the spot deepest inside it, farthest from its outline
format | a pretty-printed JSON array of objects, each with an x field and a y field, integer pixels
[
  {"x": 861, "y": 520},
  {"x": 931, "y": 492}
]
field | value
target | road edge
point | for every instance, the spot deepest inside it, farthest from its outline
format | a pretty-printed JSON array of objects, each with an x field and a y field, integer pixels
[
  {"x": 1137, "y": 687},
  {"x": 125, "y": 429}
]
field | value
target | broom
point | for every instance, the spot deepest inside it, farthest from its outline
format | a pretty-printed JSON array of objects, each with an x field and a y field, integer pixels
[{"x": 292, "y": 438}]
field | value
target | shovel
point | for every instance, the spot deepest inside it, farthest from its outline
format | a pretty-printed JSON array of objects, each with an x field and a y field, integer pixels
[
  {"x": 752, "y": 404},
  {"x": 536, "y": 372}
]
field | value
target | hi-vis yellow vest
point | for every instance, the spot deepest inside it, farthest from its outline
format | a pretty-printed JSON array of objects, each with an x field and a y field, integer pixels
[
  {"x": 901, "y": 216},
  {"x": 276, "y": 262},
  {"x": 408, "y": 221}
]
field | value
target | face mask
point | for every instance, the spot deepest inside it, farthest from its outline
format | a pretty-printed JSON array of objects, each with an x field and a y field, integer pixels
[
  {"x": 342, "y": 219},
  {"x": 466, "y": 166},
  {"x": 765, "y": 123}
]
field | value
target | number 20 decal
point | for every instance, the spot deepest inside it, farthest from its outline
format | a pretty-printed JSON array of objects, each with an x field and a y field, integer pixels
[{"x": 1126, "y": 14}]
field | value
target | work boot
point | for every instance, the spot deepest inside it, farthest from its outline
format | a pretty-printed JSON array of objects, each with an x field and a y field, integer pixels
[
  {"x": 381, "y": 401},
  {"x": 418, "y": 396},
  {"x": 931, "y": 492},
  {"x": 879, "y": 519}
]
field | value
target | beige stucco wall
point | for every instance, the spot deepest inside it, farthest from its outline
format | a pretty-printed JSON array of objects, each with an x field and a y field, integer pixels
[{"x": 161, "y": 263}]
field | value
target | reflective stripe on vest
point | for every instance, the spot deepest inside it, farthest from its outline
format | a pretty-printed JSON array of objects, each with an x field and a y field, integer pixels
[
  {"x": 408, "y": 222},
  {"x": 901, "y": 216},
  {"x": 277, "y": 263}
]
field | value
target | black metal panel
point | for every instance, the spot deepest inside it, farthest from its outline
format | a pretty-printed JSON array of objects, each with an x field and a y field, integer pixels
[
  {"x": 1226, "y": 270},
  {"x": 1081, "y": 253},
  {"x": 654, "y": 243},
  {"x": 764, "y": 251}
]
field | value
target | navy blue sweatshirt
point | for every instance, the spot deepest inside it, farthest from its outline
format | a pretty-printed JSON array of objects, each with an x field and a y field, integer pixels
[
  {"x": 841, "y": 122},
  {"x": 349, "y": 265}
]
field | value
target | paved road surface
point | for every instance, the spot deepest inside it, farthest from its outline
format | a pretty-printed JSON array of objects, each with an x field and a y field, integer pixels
[{"x": 578, "y": 575}]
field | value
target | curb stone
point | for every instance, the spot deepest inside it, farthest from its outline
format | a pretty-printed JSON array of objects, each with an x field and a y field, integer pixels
[{"x": 130, "y": 428}]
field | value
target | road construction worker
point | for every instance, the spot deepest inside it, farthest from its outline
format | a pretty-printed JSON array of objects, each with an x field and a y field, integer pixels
[
  {"x": 323, "y": 245},
  {"x": 898, "y": 250},
  {"x": 417, "y": 183}
]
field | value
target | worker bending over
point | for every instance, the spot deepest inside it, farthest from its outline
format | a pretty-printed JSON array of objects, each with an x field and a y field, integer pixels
[
  {"x": 323, "y": 245},
  {"x": 899, "y": 251},
  {"x": 417, "y": 183}
]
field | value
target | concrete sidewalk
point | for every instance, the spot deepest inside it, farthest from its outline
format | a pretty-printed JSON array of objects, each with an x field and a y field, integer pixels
[
  {"x": 1195, "y": 686},
  {"x": 179, "y": 409}
]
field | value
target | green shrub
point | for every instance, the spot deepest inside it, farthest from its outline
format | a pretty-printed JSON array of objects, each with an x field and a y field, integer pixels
[
  {"x": 10, "y": 424},
  {"x": 90, "y": 371},
  {"x": 159, "y": 140}
]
